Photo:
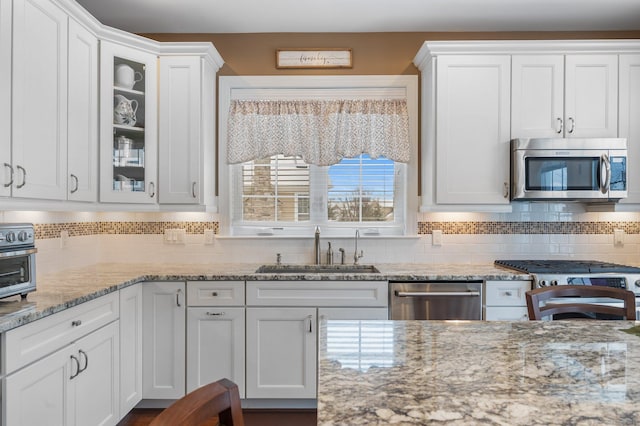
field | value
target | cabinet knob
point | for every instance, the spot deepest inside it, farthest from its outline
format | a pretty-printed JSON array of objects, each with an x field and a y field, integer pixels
[
  {"x": 573, "y": 124},
  {"x": 75, "y": 179},
  {"x": 215, "y": 293},
  {"x": 505, "y": 190},
  {"x": 76, "y": 323},
  {"x": 216, "y": 314},
  {"x": 193, "y": 190},
  {"x": 152, "y": 189}
]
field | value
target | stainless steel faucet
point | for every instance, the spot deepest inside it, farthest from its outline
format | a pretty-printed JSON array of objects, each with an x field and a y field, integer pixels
[
  {"x": 356, "y": 255},
  {"x": 317, "y": 246}
]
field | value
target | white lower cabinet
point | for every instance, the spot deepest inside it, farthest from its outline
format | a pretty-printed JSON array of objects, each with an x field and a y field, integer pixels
[
  {"x": 505, "y": 300},
  {"x": 282, "y": 330},
  {"x": 281, "y": 352},
  {"x": 215, "y": 333},
  {"x": 163, "y": 342},
  {"x": 76, "y": 385},
  {"x": 130, "y": 347}
]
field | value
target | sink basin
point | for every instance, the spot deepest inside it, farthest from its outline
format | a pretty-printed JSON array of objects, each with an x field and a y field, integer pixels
[{"x": 317, "y": 269}]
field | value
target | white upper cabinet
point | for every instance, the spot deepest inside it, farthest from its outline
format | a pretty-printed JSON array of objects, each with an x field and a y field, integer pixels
[
  {"x": 128, "y": 124},
  {"x": 630, "y": 120},
  {"x": 537, "y": 108},
  {"x": 572, "y": 96},
  {"x": 82, "y": 142},
  {"x": 39, "y": 100},
  {"x": 472, "y": 129},
  {"x": 591, "y": 96},
  {"x": 180, "y": 130},
  {"x": 5, "y": 98}
]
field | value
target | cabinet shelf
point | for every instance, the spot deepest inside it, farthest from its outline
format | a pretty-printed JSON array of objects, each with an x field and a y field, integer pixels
[
  {"x": 124, "y": 90},
  {"x": 124, "y": 128}
]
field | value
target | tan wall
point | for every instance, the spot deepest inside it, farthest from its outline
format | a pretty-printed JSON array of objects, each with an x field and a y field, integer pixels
[{"x": 373, "y": 53}]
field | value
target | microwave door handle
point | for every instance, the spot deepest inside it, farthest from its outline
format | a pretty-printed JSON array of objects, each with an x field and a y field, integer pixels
[{"x": 606, "y": 166}]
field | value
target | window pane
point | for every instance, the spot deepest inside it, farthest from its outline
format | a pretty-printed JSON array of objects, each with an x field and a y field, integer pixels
[
  {"x": 361, "y": 189},
  {"x": 275, "y": 189}
]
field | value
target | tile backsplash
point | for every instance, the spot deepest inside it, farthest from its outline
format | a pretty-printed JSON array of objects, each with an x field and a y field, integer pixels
[{"x": 469, "y": 238}]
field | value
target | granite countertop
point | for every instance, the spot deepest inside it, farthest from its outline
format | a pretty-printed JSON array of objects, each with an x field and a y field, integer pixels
[
  {"x": 61, "y": 290},
  {"x": 469, "y": 373}
]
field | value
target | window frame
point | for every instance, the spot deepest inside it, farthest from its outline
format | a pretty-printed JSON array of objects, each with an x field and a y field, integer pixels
[{"x": 317, "y": 87}]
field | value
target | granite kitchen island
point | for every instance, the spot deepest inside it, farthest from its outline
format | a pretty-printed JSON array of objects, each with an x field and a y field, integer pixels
[{"x": 470, "y": 373}]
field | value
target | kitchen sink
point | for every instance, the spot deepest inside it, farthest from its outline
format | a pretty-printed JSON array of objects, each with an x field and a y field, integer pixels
[{"x": 317, "y": 269}]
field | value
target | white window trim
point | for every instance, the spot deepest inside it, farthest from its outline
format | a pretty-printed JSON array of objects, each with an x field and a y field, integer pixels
[{"x": 318, "y": 87}]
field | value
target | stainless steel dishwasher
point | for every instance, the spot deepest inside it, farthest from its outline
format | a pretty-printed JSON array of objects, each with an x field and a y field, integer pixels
[{"x": 435, "y": 300}]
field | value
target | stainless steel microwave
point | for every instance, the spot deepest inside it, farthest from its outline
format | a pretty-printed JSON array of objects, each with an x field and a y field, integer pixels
[{"x": 569, "y": 169}]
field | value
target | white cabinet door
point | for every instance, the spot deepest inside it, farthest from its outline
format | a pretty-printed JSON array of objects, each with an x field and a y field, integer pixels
[
  {"x": 281, "y": 353},
  {"x": 130, "y": 347},
  {"x": 97, "y": 386},
  {"x": 591, "y": 96},
  {"x": 82, "y": 142},
  {"x": 76, "y": 385},
  {"x": 506, "y": 313},
  {"x": 537, "y": 96},
  {"x": 630, "y": 122},
  {"x": 180, "y": 121},
  {"x": 163, "y": 342},
  {"x": 472, "y": 129},
  {"x": 128, "y": 124},
  {"x": 42, "y": 393},
  {"x": 5, "y": 98},
  {"x": 39, "y": 100},
  {"x": 215, "y": 346}
]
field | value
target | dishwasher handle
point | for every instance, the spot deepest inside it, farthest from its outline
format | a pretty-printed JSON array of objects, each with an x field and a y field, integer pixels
[{"x": 437, "y": 293}]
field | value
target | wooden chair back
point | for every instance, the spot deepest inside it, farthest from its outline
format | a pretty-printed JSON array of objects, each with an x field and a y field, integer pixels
[
  {"x": 543, "y": 294},
  {"x": 219, "y": 399}
]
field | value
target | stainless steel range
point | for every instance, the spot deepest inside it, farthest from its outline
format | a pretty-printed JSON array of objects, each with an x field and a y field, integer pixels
[
  {"x": 579, "y": 272},
  {"x": 17, "y": 259}
]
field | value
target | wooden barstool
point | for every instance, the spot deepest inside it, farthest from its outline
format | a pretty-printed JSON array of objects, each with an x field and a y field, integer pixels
[
  {"x": 543, "y": 294},
  {"x": 219, "y": 399}
]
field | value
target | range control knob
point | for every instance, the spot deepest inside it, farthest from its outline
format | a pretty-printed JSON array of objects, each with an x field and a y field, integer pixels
[
  {"x": 637, "y": 283},
  {"x": 542, "y": 283},
  {"x": 554, "y": 282},
  {"x": 10, "y": 237},
  {"x": 22, "y": 236}
]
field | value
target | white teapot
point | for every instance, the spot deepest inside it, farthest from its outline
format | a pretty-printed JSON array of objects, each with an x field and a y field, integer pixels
[{"x": 124, "y": 110}]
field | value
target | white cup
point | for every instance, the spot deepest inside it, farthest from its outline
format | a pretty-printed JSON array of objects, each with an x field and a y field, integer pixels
[{"x": 126, "y": 77}]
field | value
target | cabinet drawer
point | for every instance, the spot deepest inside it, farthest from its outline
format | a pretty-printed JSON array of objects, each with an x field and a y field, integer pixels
[
  {"x": 506, "y": 293},
  {"x": 506, "y": 313},
  {"x": 317, "y": 293},
  {"x": 32, "y": 341},
  {"x": 215, "y": 293}
]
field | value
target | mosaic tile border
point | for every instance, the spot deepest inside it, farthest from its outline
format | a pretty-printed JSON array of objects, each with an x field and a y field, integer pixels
[
  {"x": 75, "y": 229},
  {"x": 502, "y": 228},
  {"x": 52, "y": 230}
]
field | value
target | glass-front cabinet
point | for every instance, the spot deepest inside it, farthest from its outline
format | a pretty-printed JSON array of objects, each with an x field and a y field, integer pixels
[{"x": 128, "y": 135}]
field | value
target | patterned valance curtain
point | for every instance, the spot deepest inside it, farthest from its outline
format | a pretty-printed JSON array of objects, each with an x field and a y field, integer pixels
[{"x": 322, "y": 132}]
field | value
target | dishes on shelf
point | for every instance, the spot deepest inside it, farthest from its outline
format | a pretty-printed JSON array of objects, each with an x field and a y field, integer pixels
[
  {"x": 124, "y": 110},
  {"x": 126, "y": 77}
]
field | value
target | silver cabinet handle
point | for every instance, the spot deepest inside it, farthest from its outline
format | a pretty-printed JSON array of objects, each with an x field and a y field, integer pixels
[
  {"x": 606, "y": 166},
  {"x": 75, "y": 179},
  {"x": 559, "y": 130},
  {"x": 216, "y": 314},
  {"x": 152, "y": 188},
  {"x": 86, "y": 360},
  {"x": 193, "y": 190},
  {"x": 505, "y": 190},
  {"x": 10, "y": 167},
  {"x": 76, "y": 323},
  {"x": 77, "y": 362},
  {"x": 573, "y": 124},
  {"x": 436, "y": 293},
  {"x": 24, "y": 176},
  {"x": 178, "y": 297}
]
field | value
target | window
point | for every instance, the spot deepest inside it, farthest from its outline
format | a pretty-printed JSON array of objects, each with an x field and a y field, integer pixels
[{"x": 283, "y": 191}]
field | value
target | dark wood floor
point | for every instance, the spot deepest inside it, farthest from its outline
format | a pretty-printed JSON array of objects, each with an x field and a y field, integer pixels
[{"x": 253, "y": 417}]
